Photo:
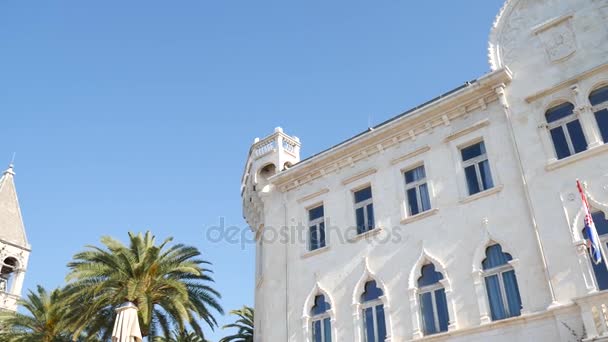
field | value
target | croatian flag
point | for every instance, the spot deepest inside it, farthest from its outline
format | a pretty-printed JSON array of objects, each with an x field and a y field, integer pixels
[{"x": 593, "y": 239}]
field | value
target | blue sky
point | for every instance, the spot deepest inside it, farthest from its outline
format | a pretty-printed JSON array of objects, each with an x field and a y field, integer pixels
[{"x": 136, "y": 115}]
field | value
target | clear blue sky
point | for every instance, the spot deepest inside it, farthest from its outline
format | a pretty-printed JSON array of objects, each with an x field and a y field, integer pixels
[{"x": 135, "y": 115}]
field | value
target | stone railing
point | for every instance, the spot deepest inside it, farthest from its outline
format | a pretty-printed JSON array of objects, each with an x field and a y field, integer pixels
[
  {"x": 8, "y": 301},
  {"x": 264, "y": 147},
  {"x": 594, "y": 312},
  {"x": 274, "y": 141}
]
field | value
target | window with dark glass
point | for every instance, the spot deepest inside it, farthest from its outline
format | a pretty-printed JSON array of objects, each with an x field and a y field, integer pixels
[
  {"x": 316, "y": 228},
  {"x": 599, "y": 101},
  {"x": 364, "y": 210},
  {"x": 433, "y": 302},
  {"x": 600, "y": 271},
  {"x": 565, "y": 130},
  {"x": 417, "y": 191},
  {"x": 321, "y": 321},
  {"x": 501, "y": 284},
  {"x": 374, "y": 323},
  {"x": 476, "y": 168}
]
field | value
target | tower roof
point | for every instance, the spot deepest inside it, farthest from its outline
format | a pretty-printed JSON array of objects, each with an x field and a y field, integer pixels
[{"x": 11, "y": 223}]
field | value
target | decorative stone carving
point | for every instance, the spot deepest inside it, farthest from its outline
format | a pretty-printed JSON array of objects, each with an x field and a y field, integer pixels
[
  {"x": 513, "y": 25},
  {"x": 558, "y": 39}
]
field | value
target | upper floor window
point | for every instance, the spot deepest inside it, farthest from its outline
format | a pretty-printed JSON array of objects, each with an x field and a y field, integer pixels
[
  {"x": 321, "y": 321},
  {"x": 364, "y": 210},
  {"x": 433, "y": 302},
  {"x": 599, "y": 101},
  {"x": 417, "y": 191},
  {"x": 566, "y": 131},
  {"x": 374, "y": 323},
  {"x": 316, "y": 228},
  {"x": 501, "y": 284},
  {"x": 476, "y": 168},
  {"x": 600, "y": 271},
  {"x": 7, "y": 268}
]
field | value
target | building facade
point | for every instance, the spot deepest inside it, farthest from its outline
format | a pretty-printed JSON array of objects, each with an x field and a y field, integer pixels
[
  {"x": 458, "y": 220},
  {"x": 14, "y": 248}
]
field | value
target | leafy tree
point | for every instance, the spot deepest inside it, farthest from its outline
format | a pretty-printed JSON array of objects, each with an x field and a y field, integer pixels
[
  {"x": 168, "y": 283},
  {"x": 244, "y": 326},
  {"x": 43, "y": 321},
  {"x": 183, "y": 336}
]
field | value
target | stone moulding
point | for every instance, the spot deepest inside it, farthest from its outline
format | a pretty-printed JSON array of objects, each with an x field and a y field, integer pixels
[
  {"x": 410, "y": 155},
  {"x": 358, "y": 176},
  {"x": 567, "y": 83},
  {"x": 463, "y": 132},
  {"x": 313, "y": 195},
  {"x": 401, "y": 130}
]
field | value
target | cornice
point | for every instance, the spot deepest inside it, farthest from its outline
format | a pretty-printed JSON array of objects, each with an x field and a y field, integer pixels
[{"x": 439, "y": 113}]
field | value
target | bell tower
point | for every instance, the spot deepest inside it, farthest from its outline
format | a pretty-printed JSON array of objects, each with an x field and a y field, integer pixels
[{"x": 14, "y": 248}]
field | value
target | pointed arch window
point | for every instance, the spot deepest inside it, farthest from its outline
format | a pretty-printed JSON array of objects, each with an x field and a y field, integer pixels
[
  {"x": 433, "y": 301},
  {"x": 599, "y": 270},
  {"x": 9, "y": 266},
  {"x": 565, "y": 130},
  {"x": 374, "y": 322},
  {"x": 501, "y": 284},
  {"x": 599, "y": 102},
  {"x": 321, "y": 320}
]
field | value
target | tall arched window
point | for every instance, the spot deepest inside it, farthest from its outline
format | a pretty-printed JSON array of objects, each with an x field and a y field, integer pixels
[
  {"x": 599, "y": 101},
  {"x": 321, "y": 322},
  {"x": 374, "y": 323},
  {"x": 599, "y": 270},
  {"x": 501, "y": 284},
  {"x": 433, "y": 302},
  {"x": 566, "y": 131},
  {"x": 9, "y": 266}
]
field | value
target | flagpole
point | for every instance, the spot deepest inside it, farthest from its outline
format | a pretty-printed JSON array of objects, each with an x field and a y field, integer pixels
[{"x": 592, "y": 229}]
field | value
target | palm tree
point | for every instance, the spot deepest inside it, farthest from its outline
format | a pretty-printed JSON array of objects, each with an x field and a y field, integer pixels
[
  {"x": 169, "y": 285},
  {"x": 43, "y": 321},
  {"x": 244, "y": 326},
  {"x": 183, "y": 336}
]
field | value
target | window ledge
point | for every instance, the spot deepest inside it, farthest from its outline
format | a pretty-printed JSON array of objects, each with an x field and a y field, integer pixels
[
  {"x": 367, "y": 234},
  {"x": 310, "y": 254},
  {"x": 420, "y": 216},
  {"x": 482, "y": 194},
  {"x": 556, "y": 164}
]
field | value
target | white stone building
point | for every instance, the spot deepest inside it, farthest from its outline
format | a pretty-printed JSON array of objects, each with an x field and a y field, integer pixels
[
  {"x": 14, "y": 248},
  {"x": 458, "y": 220}
]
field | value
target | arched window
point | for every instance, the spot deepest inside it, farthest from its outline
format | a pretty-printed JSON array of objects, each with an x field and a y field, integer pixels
[
  {"x": 599, "y": 101},
  {"x": 374, "y": 323},
  {"x": 501, "y": 284},
  {"x": 433, "y": 302},
  {"x": 321, "y": 322},
  {"x": 566, "y": 131},
  {"x": 599, "y": 270},
  {"x": 9, "y": 266}
]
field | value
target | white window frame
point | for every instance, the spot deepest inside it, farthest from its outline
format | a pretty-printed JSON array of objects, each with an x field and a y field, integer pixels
[
  {"x": 416, "y": 185},
  {"x": 499, "y": 271},
  {"x": 475, "y": 162},
  {"x": 317, "y": 224},
  {"x": 431, "y": 289},
  {"x": 322, "y": 317},
  {"x": 364, "y": 204},
  {"x": 563, "y": 122},
  {"x": 373, "y": 305}
]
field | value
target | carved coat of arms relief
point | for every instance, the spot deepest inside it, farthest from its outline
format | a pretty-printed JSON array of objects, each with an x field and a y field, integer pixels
[{"x": 558, "y": 39}]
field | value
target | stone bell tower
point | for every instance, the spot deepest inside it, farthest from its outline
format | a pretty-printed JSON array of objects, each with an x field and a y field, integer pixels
[{"x": 14, "y": 248}]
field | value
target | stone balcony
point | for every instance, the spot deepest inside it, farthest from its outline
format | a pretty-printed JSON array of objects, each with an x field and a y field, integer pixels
[
  {"x": 8, "y": 301},
  {"x": 594, "y": 312}
]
